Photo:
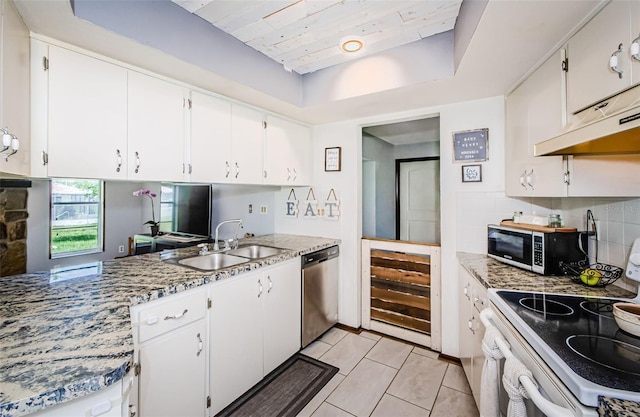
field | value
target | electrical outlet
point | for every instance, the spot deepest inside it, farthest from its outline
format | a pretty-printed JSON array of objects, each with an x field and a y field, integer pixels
[
  {"x": 121, "y": 249},
  {"x": 263, "y": 209},
  {"x": 250, "y": 208}
]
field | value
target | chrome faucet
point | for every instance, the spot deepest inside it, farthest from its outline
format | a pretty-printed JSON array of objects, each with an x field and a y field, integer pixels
[{"x": 235, "y": 239}]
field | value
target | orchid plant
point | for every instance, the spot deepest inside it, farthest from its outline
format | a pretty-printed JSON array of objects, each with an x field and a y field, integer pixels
[{"x": 151, "y": 196}]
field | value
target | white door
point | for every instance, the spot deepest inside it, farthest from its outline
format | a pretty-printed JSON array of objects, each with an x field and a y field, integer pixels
[
  {"x": 172, "y": 373},
  {"x": 210, "y": 138},
  {"x": 247, "y": 141},
  {"x": 156, "y": 128},
  {"x": 235, "y": 350},
  {"x": 282, "y": 317},
  {"x": 87, "y": 117},
  {"x": 420, "y": 201}
]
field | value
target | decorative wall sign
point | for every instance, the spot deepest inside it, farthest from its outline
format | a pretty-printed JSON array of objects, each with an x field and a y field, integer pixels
[
  {"x": 471, "y": 145},
  {"x": 471, "y": 173},
  {"x": 292, "y": 205},
  {"x": 331, "y": 210},
  {"x": 310, "y": 206},
  {"x": 333, "y": 159}
]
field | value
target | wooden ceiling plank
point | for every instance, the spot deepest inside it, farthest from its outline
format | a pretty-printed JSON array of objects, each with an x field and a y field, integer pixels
[
  {"x": 218, "y": 10},
  {"x": 236, "y": 22},
  {"x": 192, "y": 5}
]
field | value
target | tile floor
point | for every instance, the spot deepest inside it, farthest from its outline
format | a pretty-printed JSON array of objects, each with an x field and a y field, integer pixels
[{"x": 383, "y": 377}]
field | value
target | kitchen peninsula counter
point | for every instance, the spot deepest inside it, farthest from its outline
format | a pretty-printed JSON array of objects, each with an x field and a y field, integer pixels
[
  {"x": 494, "y": 274},
  {"x": 66, "y": 334}
]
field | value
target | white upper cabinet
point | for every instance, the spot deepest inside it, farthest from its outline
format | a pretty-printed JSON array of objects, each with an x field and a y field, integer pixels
[
  {"x": 14, "y": 88},
  {"x": 287, "y": 153},
  {"x": 247, "y": 139},
  {"x": 87, "y": 116},
  {"x": 590, "y": 79},
  {"x": 156, "y": 117},
  {"x": 210, "y": 148},
  {"x": 534, "y": 112}
]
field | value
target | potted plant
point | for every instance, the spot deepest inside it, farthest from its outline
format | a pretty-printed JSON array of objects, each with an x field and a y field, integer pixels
[{"x": 153, "y": 224}]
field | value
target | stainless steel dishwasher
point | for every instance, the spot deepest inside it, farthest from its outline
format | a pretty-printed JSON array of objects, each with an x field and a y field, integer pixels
[{"x": 320, "y": 275}]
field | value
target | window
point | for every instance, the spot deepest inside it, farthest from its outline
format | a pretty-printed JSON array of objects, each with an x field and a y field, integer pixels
[{"x": 76, "y": 217}]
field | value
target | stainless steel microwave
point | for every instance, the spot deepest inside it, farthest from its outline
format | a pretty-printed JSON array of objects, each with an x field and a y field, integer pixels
[{"x": 539, "y": 252}]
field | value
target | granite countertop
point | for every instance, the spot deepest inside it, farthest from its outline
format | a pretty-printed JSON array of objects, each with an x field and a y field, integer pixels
[
  {"x": 494, "y": 274},
  {"x": 62, "y": 339}
]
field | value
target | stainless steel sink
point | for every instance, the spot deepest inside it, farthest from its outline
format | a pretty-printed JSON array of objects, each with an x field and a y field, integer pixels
[
  {"x": 255, "y": 251},
  {"x": 212, "y": 261}
]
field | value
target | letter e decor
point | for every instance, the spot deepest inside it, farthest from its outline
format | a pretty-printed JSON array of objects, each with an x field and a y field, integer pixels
[{"x": 291, "y": 205}]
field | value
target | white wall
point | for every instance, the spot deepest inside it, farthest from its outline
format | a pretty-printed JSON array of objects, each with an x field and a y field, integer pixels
[
  {"x": 232, "y": 202},
  {"x": 123, "y": 218},
  {"x": 485, "y": 113}
]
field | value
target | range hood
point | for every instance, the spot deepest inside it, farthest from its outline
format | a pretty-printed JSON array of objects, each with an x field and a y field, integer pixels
[{"x": 611, "y": 126}]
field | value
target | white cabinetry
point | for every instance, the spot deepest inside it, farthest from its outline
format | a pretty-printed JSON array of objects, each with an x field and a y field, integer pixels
[
  {"x": 534, "y": 112},
  {"x": 87, "y": 116},
  {"x": 156, "y": 113},
  {"x": 589, "y": 78},
  {"x": 472, "y": 300},
  {"x": 14, "y": 87},
  {"x": 255, "y": 326},
  {"x": 210, "y": 147},
  {"x": 171, "y": 352},
  {"x": 247, "y": 141},
  {"x": 604, "y": 175},
  {"x": 287, "y": 153}
]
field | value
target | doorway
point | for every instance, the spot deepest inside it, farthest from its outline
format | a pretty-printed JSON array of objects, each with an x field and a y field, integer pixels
[
  {"x": 401, "y": 180},
  {"x": 418, "y": 199}
]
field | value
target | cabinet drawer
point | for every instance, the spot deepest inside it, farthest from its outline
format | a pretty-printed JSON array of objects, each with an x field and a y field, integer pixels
[{"x": 163, "y": 316}]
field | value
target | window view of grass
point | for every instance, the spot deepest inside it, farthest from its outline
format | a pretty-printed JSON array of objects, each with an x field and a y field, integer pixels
[{"x": 76, "y": 220}]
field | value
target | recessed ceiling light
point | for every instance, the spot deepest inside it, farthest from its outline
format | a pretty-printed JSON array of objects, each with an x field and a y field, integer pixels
[{"x": 351, "y": 45}]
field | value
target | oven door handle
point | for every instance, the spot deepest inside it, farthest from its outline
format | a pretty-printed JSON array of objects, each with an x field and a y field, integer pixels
[{"x": 544, "y": 405}]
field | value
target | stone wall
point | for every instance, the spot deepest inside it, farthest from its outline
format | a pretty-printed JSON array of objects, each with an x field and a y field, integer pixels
[{"x": 13, "y": 231}]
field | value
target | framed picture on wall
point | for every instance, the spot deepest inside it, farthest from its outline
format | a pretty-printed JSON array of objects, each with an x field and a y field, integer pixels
[
  {"x": 472, "y": 173},
  {"x": 332, "y": 159},
  {"x": 471, "y": 145}
]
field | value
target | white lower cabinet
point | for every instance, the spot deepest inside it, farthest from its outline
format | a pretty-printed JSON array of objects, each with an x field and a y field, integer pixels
[
  {"x": 254, "y": 327},
  {"x": 472, "y": 300},
  {"x": 170, "y": 337},
  {"x": 172, "y": 380}
]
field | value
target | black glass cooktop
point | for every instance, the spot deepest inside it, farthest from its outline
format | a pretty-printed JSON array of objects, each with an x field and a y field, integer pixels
[{"x": 583, "y": 333}]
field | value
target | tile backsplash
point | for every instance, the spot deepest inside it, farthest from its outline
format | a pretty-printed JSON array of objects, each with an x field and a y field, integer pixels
[{"x": 618, "y": 221}]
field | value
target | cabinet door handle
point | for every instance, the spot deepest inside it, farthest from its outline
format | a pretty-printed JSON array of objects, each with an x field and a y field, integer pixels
[
  {"x": 118, "y": 160},
  {"x": 288, "y": 174},
  {"x": 465, "y": 291},
  {"x": 270, "y": 284},
  {"x": 200, "y": 345},
  {"x": 237, "y": 170},
  {"x": 522, "y": 182},
  {"x": 259, "y": 288},
  {"x": 635, "y": 49},
  {"x": 530, "y": 179},
  {"x": 228, "y": 169},
  {"x": 470, "y": 324},
  {"x": 613, "y": 61},
  {"x": 45, "y": 158},
  {"x": 137, "y": 163},
  {"x": 295, "y": 174},
  {"x": 567, "y": 178},
  {"x": 176, "y": 316}
]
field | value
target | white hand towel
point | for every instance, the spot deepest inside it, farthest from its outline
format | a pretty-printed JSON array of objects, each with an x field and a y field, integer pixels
[
  {"x": 513, "y": 370},
  {"x": 489, "y": 391}
]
